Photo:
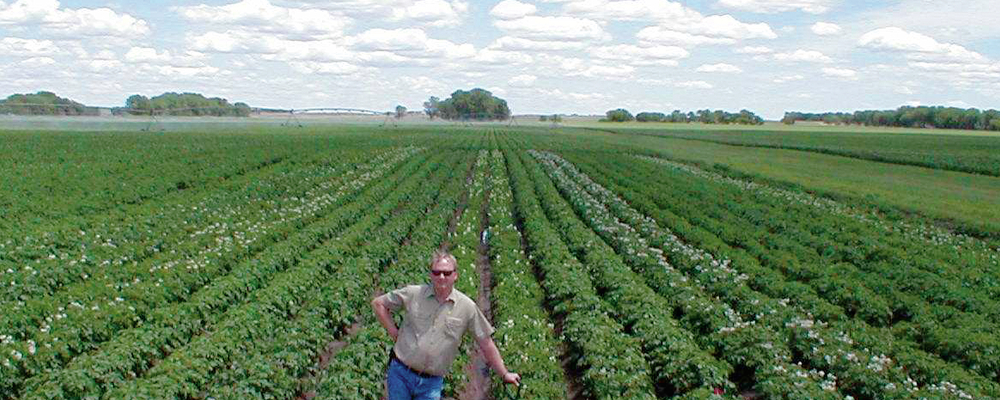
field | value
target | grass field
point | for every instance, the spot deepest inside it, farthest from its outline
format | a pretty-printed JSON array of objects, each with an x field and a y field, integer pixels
[{"x": 234, "y": 260}]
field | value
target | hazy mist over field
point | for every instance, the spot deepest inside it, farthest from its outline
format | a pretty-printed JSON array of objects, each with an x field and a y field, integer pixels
[{"x": 550, "y": 56}]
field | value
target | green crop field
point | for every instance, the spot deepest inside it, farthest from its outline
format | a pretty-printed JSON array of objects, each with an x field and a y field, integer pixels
[{"x": 237, "y": 261}]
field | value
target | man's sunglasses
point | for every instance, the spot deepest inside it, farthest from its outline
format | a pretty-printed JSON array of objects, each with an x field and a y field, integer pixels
[{"x": 442, "y": 273}]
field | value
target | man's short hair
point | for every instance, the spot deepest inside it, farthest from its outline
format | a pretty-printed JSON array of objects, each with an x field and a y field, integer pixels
[{"x": 442, "y": 255}]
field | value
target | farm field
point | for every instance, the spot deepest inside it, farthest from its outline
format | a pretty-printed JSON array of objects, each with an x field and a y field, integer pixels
[
  {"x": 964, "y": 151},
  {"x": 238, "y": 263}
]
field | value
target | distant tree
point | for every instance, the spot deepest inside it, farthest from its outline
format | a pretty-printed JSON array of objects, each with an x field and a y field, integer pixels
[
  {"x": 907, "y": 116},
  {"x": 431, "y": 107},
  {"x": 192, "y": 104},
  {"x": 400, "y": 112},
  {"x": 650, "y": 117},
  {"x": 543, "y": 118},
  {"x": 43, "y": 103},
  {"x": 477, "y": 104},
  {"x": 618, "y": 115},
  {"x": 744, "y": 117},
  {"x": 556, "y": 118},
  {"x": 678, "y": 116}
]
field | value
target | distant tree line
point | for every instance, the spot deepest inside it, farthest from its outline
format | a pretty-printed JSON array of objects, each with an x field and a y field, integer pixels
[
  {"x": 43, "y": 103},
  {"x": 188, "y": 104},
  {"x": 906, "y": 116},
  {"x": 475, "y": 104},
  {"x": 706, "y": 116}
]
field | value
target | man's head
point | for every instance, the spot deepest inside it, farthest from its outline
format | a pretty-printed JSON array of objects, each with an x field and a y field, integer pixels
[{"x": 443, "y": 270}]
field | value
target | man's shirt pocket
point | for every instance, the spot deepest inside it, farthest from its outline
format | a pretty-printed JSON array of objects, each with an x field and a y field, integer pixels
[{"x": 454, "y": 327}]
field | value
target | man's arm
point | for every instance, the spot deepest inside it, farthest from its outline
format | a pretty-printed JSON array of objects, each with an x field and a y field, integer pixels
[
  {"x": 492, "y": 355},
  {"x": 385, "y": 318}
]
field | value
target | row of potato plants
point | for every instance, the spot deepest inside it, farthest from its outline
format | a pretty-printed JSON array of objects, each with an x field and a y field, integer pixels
[
  {"x": 80, "y": 329},
  {"x": 609, "y": 362},
  {"x": 684, "y": 364},
  {"x": 171, "y": 326},
  {"x": 878, "y": 291},
  {"x": 60, "y": 176},
  {"x": 277, "y": 367},
  {"x": 758, "y": 318},
  {"x": 64, "y": 250},
  {"x": 463, "y": 243},
  {"x": 245, "y": 344},
  {"x": 814, "y": 340},
  {"x": 524, "y": 332},
  {"x": 235, "y": 232},
  {"x": 913, "y": 229},
  {"x": 965, "y": 269},
  {"x": 68, "y": 252},
  {"x": 358, "y": 371}
]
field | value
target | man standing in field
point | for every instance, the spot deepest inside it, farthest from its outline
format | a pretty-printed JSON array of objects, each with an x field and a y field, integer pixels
[{"x": 436, "y": 316}]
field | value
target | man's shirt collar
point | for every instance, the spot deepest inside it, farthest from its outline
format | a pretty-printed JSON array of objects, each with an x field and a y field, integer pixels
[{"x": 428, "y": 291}]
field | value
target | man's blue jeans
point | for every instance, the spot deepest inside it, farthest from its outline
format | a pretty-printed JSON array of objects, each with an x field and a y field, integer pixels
[{"x": 405, "y": 385}]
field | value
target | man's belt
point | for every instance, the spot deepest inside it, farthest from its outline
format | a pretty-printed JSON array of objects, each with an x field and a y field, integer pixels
[{"x": 392, "y": 356}]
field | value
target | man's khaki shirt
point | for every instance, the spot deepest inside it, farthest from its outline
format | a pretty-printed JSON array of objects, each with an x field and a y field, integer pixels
[{"x": 431, "y": 333}]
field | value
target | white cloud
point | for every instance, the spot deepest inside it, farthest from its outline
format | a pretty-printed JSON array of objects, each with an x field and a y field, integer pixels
[
  {"x": 150, "y": 56},
  {"x": 775, "y": 6},
  {"x": 423, "y": 84},
  {"x": 103, "y": 65},
  {"x": 553, "y": 28},
  {"x": 501, "y": 57},
  {"x": 70, "y": 21},
  {"x": 918, "y": 46},
  {"x": 512, "y": 9},
  {"x": 720, "y": 67},
  {"x": 576, "y": 96},
  {"x": 261, "y": 15},
  {"x": 36, "y": 62},
  {"x": 410, "y": 43},
  {"x": 803, "y": 56},
  {"x": 754, "y": 50},
  {"x": 715, "y": 29},
  {"x": 422, "y": 12},
  {"x": 522, "y": 81},
  {"x": 651, "y": 55},
  {"x": 727, "y": 26},
  {"x": 325, "y": 68},
  {"x": 217, "y": 42},
  {"x": 964, "y": 21},
  {"x": 825, "y": 29},
  {"x": 433, "y": 12},
  {"x": 694, "y": 85},
  {"x": 674, "y": 22},
  {"x": 605, "y": 71},
  {"x": 788, "y": 78},
  {"x": 27, "y": 47},
  {"x": 655, "y": 34},
  {"x": 272, "y": 47},
  {"x": 632, "y": 10},
  {"x": 840, "y": 73},
  {"x": 515, "y": 43},
  {"x": 146, "y": 54}
]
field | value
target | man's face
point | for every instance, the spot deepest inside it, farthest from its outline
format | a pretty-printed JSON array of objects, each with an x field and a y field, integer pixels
[{"x": 443, "y": 275}]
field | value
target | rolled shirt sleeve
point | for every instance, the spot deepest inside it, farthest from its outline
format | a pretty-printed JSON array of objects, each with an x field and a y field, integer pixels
[{"x": 399, "y": 297}]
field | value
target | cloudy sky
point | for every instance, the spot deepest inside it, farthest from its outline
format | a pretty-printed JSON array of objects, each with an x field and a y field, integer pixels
[{"x": 543, "y": 56}]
